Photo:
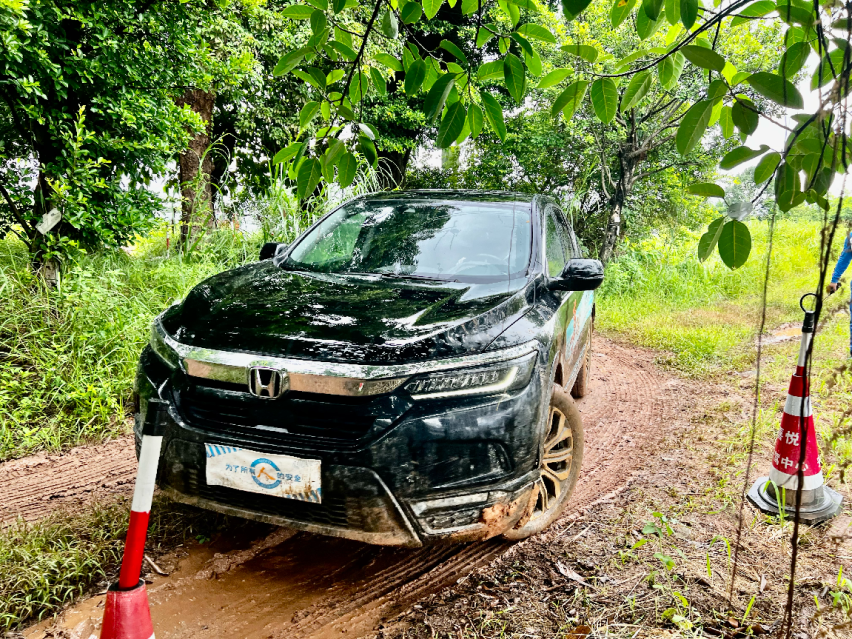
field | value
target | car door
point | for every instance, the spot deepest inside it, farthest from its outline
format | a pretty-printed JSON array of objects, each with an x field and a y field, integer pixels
[
  {"x": 555, "y": 258},
  {"x": 578, "y": 304}
]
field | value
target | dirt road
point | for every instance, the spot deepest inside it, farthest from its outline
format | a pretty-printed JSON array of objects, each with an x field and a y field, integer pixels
[{"x": 301, "y": 585}]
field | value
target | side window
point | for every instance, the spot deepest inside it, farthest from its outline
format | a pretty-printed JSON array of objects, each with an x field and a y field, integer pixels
[
  {"x": 553, "y": 246},
  {"x": 566, "y": 235}
]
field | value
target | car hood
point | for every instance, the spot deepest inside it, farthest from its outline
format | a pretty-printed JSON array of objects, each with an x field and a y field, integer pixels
[{"x": 261, "y": 308}]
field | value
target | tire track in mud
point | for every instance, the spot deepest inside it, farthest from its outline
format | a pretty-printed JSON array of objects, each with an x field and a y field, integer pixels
[
  {"x": 319, "y": 587},
  {"x": 34, "y": 486}
]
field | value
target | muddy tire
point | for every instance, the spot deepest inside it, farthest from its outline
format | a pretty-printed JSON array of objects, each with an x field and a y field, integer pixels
[
  {"x": 581, "y": 384},
  {"x": 561, "y": 459}
]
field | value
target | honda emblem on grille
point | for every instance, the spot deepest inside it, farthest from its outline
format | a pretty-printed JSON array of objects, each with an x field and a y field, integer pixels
[{"x": 268, "y": 383}]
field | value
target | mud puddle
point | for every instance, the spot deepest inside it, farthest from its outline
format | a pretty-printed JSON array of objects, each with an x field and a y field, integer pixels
[{"x": 285, "y": 584}]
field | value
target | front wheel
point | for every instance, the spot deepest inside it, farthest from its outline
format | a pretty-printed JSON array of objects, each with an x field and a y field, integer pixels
[{"x": 560, "y": 465}]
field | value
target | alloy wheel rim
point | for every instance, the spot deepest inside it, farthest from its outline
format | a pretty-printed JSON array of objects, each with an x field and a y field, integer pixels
[{"x": 556, "y": 463}]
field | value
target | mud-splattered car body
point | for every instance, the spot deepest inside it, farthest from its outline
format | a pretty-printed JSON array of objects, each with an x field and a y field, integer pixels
[{"x": 356, "y": 358}]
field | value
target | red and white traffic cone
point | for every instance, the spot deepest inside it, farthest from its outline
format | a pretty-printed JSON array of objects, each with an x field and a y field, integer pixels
[
  {"x": 126, "y": 612},
  {"x": 819, "y": 502}
]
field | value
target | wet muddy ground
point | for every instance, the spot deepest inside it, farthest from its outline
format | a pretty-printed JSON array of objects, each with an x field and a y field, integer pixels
[{"x": 290, "y": 584}]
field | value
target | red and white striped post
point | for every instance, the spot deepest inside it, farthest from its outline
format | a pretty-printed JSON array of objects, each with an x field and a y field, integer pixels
[
  {"x": 126, "y": 612},
  {"x": 819, "y": 502}
]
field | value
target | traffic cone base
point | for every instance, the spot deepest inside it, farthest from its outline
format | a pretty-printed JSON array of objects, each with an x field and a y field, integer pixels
[
  {"x": 126, "y": 614},
  {"x": 818, "y": 505}
]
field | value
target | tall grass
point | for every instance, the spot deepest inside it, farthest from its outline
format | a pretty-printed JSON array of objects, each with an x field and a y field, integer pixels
[{"x": 658, "y": 294}]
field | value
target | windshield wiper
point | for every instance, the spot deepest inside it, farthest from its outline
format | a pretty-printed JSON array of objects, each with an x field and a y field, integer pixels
[{"x": 413, "y": 276}]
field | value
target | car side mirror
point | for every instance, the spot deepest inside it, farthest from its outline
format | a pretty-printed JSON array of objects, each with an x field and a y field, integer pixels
[
  {"x": 268, "y": 250},
  {"x": 579, "y": 275}
]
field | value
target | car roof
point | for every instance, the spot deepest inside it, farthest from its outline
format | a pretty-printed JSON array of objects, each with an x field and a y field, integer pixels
[{"x": 459, "y": 195}]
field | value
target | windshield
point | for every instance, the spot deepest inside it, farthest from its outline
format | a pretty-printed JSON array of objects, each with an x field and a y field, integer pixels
[{"x": 463, "y": 241}]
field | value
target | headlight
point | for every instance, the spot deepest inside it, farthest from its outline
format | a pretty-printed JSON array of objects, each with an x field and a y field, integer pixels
[
  {"x": 488, "y": 380},
  {"x": 159, "y": 345}
]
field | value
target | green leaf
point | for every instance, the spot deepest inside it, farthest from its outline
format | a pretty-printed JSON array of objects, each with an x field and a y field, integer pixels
[
  {"x": 483, "y": 35},
  {"x": 335, "y": 151},
  {"x": 390, "y": 27},
  {"x": 437, "y": 95},
  {"x": 474, "y": 120},
  {"x": 288, "y": 152},
  {"x": 553, "y": 78},
  {"x": 368, "y": 149},
  {"x": 754, "y": 10},
  {"x": 777, "y": 89},
  {"x": 669, "y": 70},
  {"x": 787, "y": 186},
  {"x": 490, "y": 70},
  {"x": 569, "y": 100},
  {"x": 308, "y": 113},
  {"x": 531, "y": 30},
  {"x": 379, "y": 81},
  {"x": 692, "y": 126},
  {"x": 469, "y": 6},
  {"x": 288, "y": 62},
  {"x": 645, "y": 27},
  {"x": 511, "y": 11},
  {"x": 793, "y": 14},
  {"x": 308, "y": 177},
  {"x": 688, "y": 12},
  {"x": 708, "y": 241},
  {"x": 338, "y": 5},
  {"x": 766, "y": 167},
  {"x": 318, "y": 21},
  {"x": 673, "y": 11},
  {"x": 358, "y": 87},
  {"x": 741, "y": 154},
  {"x": 706, "y": 189},
  {"x": 794, "y": 59},
  {"x": 298, "y": 12},
  {"x": 451, "y": 125},
  {"x": 745, "y": 115},
  {"x": 620, "y": 10},
  {"x": 446, "y": 45},
  {"x": 343, "y": 50},
  {"x": 319, "y": 4},
  {"x": 573, "y": 8},
  {"x": 638, "y": 88},
  {"x": 726, "y": 122},
  {"x": 529, "y": 5},
  {"x": 652, "y": 8},
  {"x": 734, "y": 244},
  {"x": 494, "y": 113},
  {"x": 533, "y": 62},
  {"x": 513, "y": 74},
  {"x": 604, "y": 96},
  {"x": 414, "y": 77},
  {"x": 411, "y": 12},
  {"x": 828, "y": 68},
  {"x": 430, "y": 7},
  {"x": 704, "y": 58},
  {"x": 346, "y": 169},
  {"x": 389, "y": 61},
  {"x": 584, "y": 51}
]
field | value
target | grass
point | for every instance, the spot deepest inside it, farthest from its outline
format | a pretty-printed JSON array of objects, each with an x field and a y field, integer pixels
[
  {"x": 68, "y": 355},
  {"x": 47, "y": 564},
  {"x": 705, "y": 316}
]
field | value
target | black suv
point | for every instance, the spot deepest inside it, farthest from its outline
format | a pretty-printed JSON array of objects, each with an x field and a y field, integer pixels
[{"x": 401, "y": 374}]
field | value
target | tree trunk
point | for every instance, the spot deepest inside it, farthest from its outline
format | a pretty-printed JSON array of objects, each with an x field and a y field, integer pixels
[
  {"x": 613, "y": 231},
  {"x": 397, "y": 164},
  {"x": 195, "y": 169}
]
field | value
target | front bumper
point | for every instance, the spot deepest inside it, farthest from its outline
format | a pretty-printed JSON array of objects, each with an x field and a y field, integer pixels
[{"x": 436, "y": 472}]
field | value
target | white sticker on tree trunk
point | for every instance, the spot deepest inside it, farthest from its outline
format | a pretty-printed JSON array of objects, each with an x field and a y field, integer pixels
[
  {"x": 275, "y": 475},
  {"x": 48, "y": 221}
]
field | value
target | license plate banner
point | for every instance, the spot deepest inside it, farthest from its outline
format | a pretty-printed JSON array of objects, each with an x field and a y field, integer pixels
[{"x": 275, "y": 475}]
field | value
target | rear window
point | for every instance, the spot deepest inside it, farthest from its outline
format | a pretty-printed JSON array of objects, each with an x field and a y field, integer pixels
[{"x": 463, "y": 241}]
